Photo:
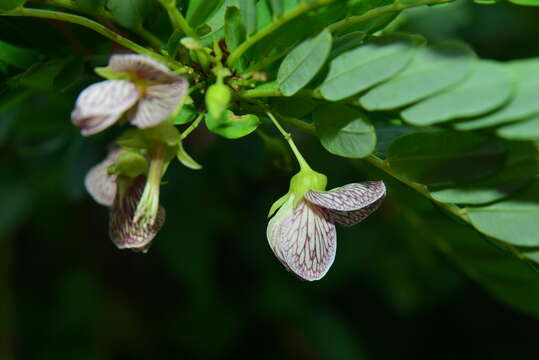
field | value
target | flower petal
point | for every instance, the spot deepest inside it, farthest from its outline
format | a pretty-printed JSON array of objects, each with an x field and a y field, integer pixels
[
  {"x": 126, "y": 233},
  {"x": 303, "y": 239},
  {"x": 99, "y": 183},
  {"x": 100, "y": 105},
  {"x": 158, "y": 102},
  {"x": 349, "y": 218},
  {"x": 349, "y": 197},
  {"x": 144, "y": 66}
]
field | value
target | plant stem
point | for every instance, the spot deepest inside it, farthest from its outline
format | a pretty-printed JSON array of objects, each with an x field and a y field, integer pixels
[
  {"x": 177, "y": 19},
  {"x": 97, "y": 27},
  {"x": 301, "y": 160},
  {"x": 396, "y": 6},
  {"x": 193, "y": 126},
  {"x": 384, "y": 166},
  {"x": 102, "y": 13},
  {"x": 285, "y": 18}
]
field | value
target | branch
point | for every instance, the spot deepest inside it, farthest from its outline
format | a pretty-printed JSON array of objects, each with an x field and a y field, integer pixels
[
  {"x": 97, "y": 27},
  {"x": 104, "y": 14}
]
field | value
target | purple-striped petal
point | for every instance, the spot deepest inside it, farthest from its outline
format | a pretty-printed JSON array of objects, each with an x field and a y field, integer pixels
[
  {"x": 158, "y": 102},
  {"x": 100, "y": 105},
  {"x": 349, "y": 197},
  {"x": 99, "y": 183},
  {"x": 349, "y": 218},
  {"x": 144, "y": 66},
  {"x": 124, "y": 231},
  {"x": 303, "y": 239}
]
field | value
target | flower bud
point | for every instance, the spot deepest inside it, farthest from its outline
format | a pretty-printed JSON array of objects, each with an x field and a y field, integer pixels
[{"x": 217, "y": 99}]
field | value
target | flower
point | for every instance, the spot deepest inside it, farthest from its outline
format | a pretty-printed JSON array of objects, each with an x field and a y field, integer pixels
[
  {"x": 302, "y": 233},
  {"x": 125, "y": 230},
  {"x": 141, "y": 87},
  {"x": 122, "y": 194}
]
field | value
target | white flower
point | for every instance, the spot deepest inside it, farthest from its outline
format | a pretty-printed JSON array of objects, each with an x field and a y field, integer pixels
[
  {"x": 302, "y": 233},
  {"x": 122, "y": 195},
  {"x": 147, "y": 92}
]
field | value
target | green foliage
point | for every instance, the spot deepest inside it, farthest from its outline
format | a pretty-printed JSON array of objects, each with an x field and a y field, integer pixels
[
  {"x": 10, "y": 4},
  {"x": 232, "y": 126},
  {"x": 322, "y": 67},
  {"x": 348, "y": 134},
  {"x": 17, "y": 56},
  {"x": 442, "y": 157},
  {"x": 129, "y": 13},
  {"x": 513, "y": 220},
  {"x": 368, "y": 65},
  {"x": 301, "y": 65},
  {"x": 200, "y": 10}
]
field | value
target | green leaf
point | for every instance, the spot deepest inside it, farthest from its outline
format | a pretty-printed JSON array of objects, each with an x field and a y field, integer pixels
[
  {"x": 513, "y": 221},
  {"x": 232, "y": 126},
  {"x": 234, "y": 28},
  {"x": 90, "y": 5},
  {"x": 434, "y": 68},
  {"x": 368, "y": 65},
  {"x": 199, "y": 11},
  {"x": 501, "y": 273},
  {"x": 186, "y": 115},
  {"x": 11, "y": 4},
  {"x": 488, "y": 88},
  {"x": 445, "y": 157},
  {"x": 347, "y": 42},
  {"x": 524, "y": 102},
  {"x": 344, "y": 131},
  {"x": 277, "y": 6},
  {"x": 17, "y": 56},
  {"x": 520, "y": 169},
  {"x": 302, "y": 64},
  {"x": 522, "y": 130},
  {"x": 129, "y": 13},
  {"x": 295, "y": 107},
  {"x": 248, "y": 13},
  {"x": 526, "y": 2},
  {"x": 174, "y": 43},
  {"x": 263, "y": 14},
  {"x": 235, "y": 33},
  {"x": 40, "y": 76}
]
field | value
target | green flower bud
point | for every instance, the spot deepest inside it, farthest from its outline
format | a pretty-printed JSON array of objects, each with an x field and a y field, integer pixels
[{"x": 217, "y": 99}]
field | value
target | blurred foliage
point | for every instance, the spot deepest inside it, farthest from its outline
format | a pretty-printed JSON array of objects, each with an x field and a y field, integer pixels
[{"x": 210, "y": 288}]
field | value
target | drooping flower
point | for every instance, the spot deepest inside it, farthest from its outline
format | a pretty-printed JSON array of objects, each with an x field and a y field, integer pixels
[
  {"x": 123, "y": 194},
  {"x": 144, "y": 89},
  {"x": 302, "y": 233},
  {"x": 125, "y": 230}
]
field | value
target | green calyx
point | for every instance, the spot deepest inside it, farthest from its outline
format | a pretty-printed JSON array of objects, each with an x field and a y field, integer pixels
[{"x": 306, "y": 179}]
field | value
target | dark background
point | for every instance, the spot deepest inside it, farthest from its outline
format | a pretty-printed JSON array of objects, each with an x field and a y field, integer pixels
[{"x": 210, "y": 287}]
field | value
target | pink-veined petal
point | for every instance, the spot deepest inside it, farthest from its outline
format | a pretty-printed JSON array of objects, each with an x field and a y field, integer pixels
[
  {"x": 99, "y": 183},
  {"x": 144, "y": 66},
  {"x": 303, "y": 239},
  {"x": 100, "y": 105},
  {"x": 126, "y": 233},
  {"x": 349, "y": 218},
  {"x": 349, "y": 197},
  {"x": 158, "y": 102}
]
